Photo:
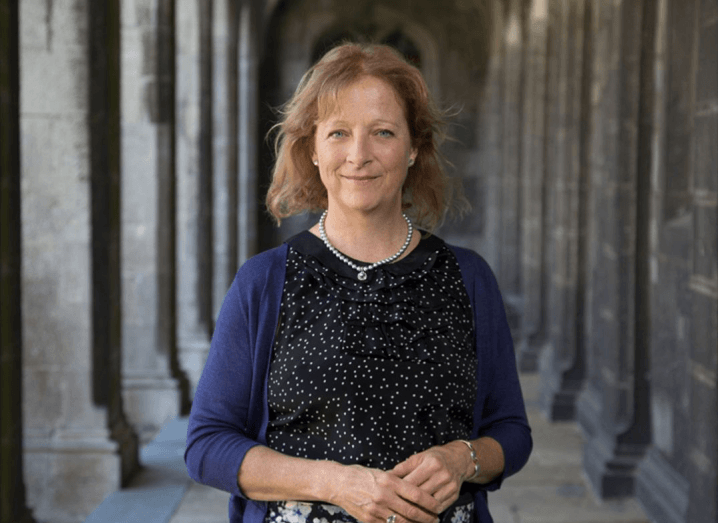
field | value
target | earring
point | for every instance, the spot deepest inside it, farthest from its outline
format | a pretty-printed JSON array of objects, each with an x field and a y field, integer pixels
[
  {"x": 315, "y": 162},
  {"x": 411, "y": 162}
]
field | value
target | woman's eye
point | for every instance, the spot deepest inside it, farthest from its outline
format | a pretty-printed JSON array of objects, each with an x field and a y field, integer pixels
[
  {"x": 336, "y": 134},
  {"x": 385, "y": 133}
]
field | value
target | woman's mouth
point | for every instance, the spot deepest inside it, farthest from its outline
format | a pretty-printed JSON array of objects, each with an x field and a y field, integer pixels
[{"x": 360, "y": 179}]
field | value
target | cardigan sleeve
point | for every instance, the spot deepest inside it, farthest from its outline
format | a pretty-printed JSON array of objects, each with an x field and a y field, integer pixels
[
  {"x": 228, "y": 410},
  {"x": 499, "y": 412}
]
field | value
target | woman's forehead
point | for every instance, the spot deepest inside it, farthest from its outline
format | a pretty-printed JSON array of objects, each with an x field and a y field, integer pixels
[{"x": 329, "y": 103}]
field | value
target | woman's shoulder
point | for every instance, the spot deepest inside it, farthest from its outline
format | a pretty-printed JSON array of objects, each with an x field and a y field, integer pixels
[
  {"x": 265, "y": 260},
  {"x": 470, "y": 260},
  {"x": 475, "y": 270},
  {"x": 262, "y": 269}
]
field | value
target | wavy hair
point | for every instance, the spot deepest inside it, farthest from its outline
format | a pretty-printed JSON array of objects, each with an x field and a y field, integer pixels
[{"x": 296, "y": 187}]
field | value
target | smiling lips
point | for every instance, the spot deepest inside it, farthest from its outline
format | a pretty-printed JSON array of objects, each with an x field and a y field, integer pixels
[{"x": 360, "y": 178}]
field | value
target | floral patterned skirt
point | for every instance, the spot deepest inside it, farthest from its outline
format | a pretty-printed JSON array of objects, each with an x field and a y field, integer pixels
[{"x": 462, "y": 511}]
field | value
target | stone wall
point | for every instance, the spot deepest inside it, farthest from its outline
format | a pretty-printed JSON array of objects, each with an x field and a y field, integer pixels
[{"x": 677, "y": 480}]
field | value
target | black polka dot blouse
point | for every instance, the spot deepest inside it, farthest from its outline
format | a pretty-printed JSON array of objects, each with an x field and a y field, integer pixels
[{"x": 371, "y": 372}]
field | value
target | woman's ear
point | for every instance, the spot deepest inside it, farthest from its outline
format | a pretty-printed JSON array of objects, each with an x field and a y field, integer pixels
[{"x": 412, "y": 156}]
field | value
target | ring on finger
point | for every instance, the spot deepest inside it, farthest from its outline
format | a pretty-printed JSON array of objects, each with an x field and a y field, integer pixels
[{"x": 391, "y": 519}]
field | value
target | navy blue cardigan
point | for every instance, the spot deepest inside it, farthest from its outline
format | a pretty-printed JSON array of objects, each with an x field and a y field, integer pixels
[{"x": 230, "y": 413}]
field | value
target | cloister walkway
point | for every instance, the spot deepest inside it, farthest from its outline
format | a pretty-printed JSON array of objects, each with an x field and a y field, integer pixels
[{"x": 551, "y": 489}]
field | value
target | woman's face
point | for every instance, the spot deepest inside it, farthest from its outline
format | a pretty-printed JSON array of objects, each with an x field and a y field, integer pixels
[{"x": 363, "y": 149}]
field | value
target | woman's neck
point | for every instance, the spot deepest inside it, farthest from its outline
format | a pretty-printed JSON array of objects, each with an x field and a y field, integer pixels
[{"x": 367, "y": 238}]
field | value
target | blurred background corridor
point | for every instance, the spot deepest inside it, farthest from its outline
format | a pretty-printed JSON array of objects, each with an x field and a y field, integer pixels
[{"x": 133, "y": 165}]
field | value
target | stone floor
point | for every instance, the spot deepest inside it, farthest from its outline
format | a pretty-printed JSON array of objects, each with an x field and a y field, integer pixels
[{"x": 551, "y": 488}]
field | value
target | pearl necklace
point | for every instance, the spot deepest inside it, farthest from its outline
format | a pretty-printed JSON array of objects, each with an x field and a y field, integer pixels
[{"x": 362, "y": 270}]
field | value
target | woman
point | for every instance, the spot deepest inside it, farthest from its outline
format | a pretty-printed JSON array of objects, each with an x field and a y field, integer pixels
[{"x": 363, "y": 370}]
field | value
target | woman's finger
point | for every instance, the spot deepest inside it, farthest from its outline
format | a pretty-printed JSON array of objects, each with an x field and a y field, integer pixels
[
  {"x": 406, "y": 512},
  {"x": 446, "y": 496},
  {"x": 372, "y": 495},
  {"x": 412, "y": 502},
  {"x": 436, "y": 471}
]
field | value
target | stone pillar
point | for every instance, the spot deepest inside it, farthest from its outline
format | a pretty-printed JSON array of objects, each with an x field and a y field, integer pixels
[
  {"x": 13, "y": 507},
  {"x": 562, "y": 360},
  {"x": 534, "y": 208},
  {"x": 194, "y": 185},
  {"x": 660, "y": 486},
  {"x": 490, "y": 131},
  {"x": 78, "y": 447},
  {"x": 613, "y": 408},
  {"x": 250, "y": 22},
  {"x": 151, "y": 394},
  {"x": 509, "y": 268},
  {"x": 225, "y": 146},
  {"x": 703, "y": 370}
]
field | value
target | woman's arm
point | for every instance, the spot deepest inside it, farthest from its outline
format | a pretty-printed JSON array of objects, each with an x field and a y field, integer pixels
[{"x": 370, "y": 495}]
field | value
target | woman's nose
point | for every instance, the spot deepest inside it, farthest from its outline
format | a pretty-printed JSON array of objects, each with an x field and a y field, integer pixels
[{"x": 359, "y": 151}]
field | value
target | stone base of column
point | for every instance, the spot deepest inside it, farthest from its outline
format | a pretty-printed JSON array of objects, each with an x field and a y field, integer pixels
[
  {"x": 149, "y": 403},
  {"x": 25, "y": 517},
  {"x": 192, "y": 355},
  {"x": 69, "y": 475},
  {"x": 514, "y": 309},
  {"x": 662, "y": 491},
  {"x": 527, "y": 355},
  {"x": 588, "y": 411},
  {"x": 611, "y": 466},
  {"x": 128, "y": 449},
  {"x": 560, "y": 391}
]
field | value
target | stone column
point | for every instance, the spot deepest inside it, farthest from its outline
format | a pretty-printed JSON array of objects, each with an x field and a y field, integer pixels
[
  {"x": 151, "y": 394},
  {"x": 509, "y": 269},
  {"x": 490, "y": 132},
  {"x": 12, "y": 483},
  {"x": 533, "y": 202},
  {"x": 703, "y": 370},
  {"x": 562, "y": 360},
  {"x": 613, "y": 407},
  {"x": 225, "y": 145},
  {"x": 194, "y": 185},
  {"x": 78, "y": 447},
  {"x": 250, "y": 22},
  {"x": 661, "y": 488}
]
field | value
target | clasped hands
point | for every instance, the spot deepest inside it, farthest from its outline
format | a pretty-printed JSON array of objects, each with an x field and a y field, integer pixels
[{"x": 416, "y": 490}]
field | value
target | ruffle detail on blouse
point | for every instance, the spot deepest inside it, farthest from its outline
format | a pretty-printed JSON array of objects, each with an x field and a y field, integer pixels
[{"x": 398, "y": 314}]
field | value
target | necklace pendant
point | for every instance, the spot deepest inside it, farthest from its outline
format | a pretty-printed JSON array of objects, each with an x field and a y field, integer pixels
[{"x": 361, "y": 274}]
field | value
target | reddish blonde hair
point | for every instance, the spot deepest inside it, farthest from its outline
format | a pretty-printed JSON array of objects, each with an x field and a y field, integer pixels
[{"x": 296, "y": 186}]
